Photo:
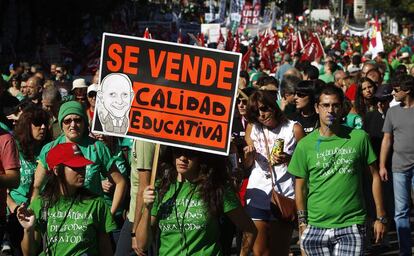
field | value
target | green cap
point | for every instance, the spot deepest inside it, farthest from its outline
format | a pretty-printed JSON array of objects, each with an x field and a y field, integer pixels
[{"x": 71, "y": 108}]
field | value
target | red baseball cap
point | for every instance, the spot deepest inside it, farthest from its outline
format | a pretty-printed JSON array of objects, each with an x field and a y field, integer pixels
[{"x": 67, "y": 154}]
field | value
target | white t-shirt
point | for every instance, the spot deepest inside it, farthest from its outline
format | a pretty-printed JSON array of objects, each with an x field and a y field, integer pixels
[{"x": 259, "y": 188}]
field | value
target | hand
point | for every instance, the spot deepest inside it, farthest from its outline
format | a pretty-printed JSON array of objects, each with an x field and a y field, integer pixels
[
  {"x": 379, "y": 231},
  {"x": 281, "y": 158},
  {"x": 107, "y": 186},
  {"x": 383, "y": 174},
  {"x": 149, "y": 196},
  {"x": 26, "y": 217},
  {"x": 249, "y": 151},
  {"x": 302, "y": 228},
  {"x": 138, "y": 251}
]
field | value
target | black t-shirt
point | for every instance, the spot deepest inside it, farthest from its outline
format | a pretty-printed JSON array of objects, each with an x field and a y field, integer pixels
[{"x": 309, "y": 123}]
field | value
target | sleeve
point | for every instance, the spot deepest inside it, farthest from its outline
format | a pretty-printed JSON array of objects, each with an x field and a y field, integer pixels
[
  {"x": 9, "y": 154},
  {"x": 43, "y": 153},
  {"x": 105, "y": 221},
  {"x": 36, "y": 207},
  {"x": 230, "y": 200},
  {"x": 143, "y": 155},
  {"x": 105, "y": 156},
  {"x": 298, "y": 164},
  {"x": 388, "y": 127}
]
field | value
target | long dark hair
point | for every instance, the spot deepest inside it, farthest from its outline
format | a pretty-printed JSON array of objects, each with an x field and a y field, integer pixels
[
  {"x": 52, "y": 193},
  {"x": 362, "y": 104},
  {"x": 211, "y": 183},
  {"x": 30, "y": 147}
]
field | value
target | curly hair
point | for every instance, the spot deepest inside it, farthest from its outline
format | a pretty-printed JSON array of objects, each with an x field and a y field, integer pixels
[
  {"x": 213, "y": 178},
  {"x": 28, "y": 146}
]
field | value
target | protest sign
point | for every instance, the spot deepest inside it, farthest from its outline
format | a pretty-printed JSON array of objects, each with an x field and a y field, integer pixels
[{"x": 167, "y": 93}]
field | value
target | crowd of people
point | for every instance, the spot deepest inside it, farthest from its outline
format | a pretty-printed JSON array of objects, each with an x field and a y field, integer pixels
[{"x": 334, "y": 135}]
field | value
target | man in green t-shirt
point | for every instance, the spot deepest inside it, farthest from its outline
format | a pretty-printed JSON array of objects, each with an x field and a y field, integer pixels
[{"x": 328, "y": 165}]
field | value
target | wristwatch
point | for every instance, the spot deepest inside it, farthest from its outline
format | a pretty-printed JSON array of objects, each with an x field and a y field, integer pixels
[
  {"x": 132, "y": 234},
  {"x": 382, "y": 219}
]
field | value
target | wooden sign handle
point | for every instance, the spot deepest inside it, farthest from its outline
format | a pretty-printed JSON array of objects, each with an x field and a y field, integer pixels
[{"x": 155, "y": 164}]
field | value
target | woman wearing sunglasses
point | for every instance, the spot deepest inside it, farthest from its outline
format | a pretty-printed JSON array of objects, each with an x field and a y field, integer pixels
[
  {"x": 269, "y": 125},
  {"x": 305, "y": 113},
  {"x": 68, "y": 217},
  {"x": 74, "y": 123},
  {"x": 193, "y": 193},
  {"x": 29, "y": 143}
]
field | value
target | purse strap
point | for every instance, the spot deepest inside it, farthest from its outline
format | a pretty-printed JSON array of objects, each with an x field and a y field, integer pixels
[{"x": 270, "y": 167}]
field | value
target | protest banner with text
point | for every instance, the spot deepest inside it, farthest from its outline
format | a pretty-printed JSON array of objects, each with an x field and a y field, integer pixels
[{"x": 167, "y": 93}]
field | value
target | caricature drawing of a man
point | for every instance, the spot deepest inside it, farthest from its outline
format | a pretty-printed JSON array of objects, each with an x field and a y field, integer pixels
[{"x": 115, "y": 96}]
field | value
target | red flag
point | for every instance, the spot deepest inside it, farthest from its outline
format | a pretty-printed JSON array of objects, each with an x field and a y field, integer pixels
[
  {"x": 229, "y": 41},
  {"x": 236, "y": 46},
  {"x": 246, "y": 59},
  {"x": 313, "y": 49},
  {"x": 220, "y": 43},
  {"x": 200, "y": 38},
  {"x": 298, "y": 44},
  {"x": 365, "y": 44},
  {"x": 289, "y": 44},
  {"x": 147, "y": 34}
]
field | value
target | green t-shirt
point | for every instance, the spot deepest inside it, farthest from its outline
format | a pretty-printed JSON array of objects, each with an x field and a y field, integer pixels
[
  {"x": 353, "y": 120},
  {"x": 94, "y": 150},
  {"x": 27, "y": 169},
  {"x": 72, "y": 229},
  {"x": 327, "y": 78},
  {"x": 185, "y": 226},
  {"x": 333, "y": 168}
]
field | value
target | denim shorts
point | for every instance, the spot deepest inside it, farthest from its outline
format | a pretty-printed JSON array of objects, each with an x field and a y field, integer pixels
[{"x": 259, "y": 214}]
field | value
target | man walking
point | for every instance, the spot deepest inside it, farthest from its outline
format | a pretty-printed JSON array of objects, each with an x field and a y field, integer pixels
[
  {"x": 328, "y": 165},
  {"x": 398, "y": 133}
]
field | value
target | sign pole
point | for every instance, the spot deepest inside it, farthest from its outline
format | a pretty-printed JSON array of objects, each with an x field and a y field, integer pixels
[{"x": 155, "y": 164}]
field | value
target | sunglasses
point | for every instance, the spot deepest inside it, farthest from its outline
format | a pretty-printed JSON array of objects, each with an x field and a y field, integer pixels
[
  {"x": 39, "y": 122},
  {"x": 397, "y": 90},
  {"x": 70, "y": 120},
  {"x": 264, "y": 109},
  {"x": 92, "y": 94},
  {"x": 301, "y": 94},
  {"x": 243, "y": 101},
  {"x": 184, "y": 152}
]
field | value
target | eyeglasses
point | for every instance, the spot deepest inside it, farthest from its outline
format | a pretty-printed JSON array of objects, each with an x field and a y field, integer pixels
[
  {"x": 58, "y": 71},
  {"x": 70, "y": 120},
  {"x": 301, "y": 94},
  {"x": 264, "y": 108},
  {"x": 39, "y": 122},
  {"x": 243, "y": 101},
  {"x": 92, "y": 94},
  {"x": 335, "y": 106}
]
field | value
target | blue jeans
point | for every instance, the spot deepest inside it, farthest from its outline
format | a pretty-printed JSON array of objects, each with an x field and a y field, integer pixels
[{"x": 403, "y": 183}]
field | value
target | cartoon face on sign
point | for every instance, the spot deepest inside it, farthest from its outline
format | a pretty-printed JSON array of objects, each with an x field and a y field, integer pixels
[{"x": 115, "y": 98}]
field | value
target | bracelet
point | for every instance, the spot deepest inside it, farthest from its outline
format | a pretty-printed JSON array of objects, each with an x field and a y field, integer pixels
[
  {"x": 132, "y": 234},
  {"x": 302, "y": 213},
  {"x": 302, "y": 220}
]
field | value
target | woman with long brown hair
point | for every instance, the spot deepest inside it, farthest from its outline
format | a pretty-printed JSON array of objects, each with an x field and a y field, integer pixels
[
  {"x": 269, "y": 125},
  {"x": 193, "y": 193},
  {"x": 31, "y": 133}
]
